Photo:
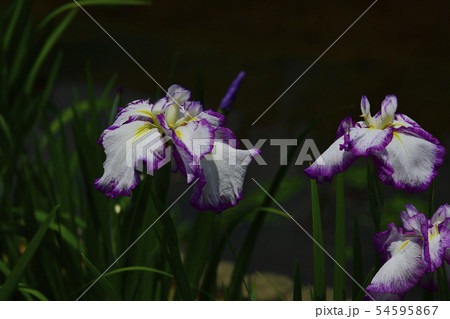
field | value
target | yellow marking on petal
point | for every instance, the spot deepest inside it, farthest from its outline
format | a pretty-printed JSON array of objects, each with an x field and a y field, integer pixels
[
  {"x": 142, "y": 131},
  {"x": 436, "y": 233},
  {"x": 403, "y": 246},
  {"x": 178, "y": 133}
]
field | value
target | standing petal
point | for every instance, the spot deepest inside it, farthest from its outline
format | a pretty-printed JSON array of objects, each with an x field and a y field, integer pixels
[
  {"x": 230, "y": 96},
  {"x": 412, "y": 159},
  {"x": 223, "y": 177},
  {"x": 177, "y": 94},
  {"x": 403, "y": 269},
  {"x": 436, "y": 242},
  {"x": 334, "y": 160}
]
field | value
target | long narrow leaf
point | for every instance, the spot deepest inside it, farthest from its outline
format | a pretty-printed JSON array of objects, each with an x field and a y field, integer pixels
[
  {"x": 318, "y": 254},
  {"x": 339, "y": 275},
  {"x": 13, "y": 279},
  {"x": 48, "y": 45}
]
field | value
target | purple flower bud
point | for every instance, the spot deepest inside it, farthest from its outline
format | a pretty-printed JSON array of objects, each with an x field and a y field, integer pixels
[{"x": 228, "y": 99}]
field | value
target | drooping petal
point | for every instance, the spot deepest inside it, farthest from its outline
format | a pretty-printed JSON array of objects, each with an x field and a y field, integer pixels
[
  {"x": 364, "y": 141},
  {"x": 403, "y": 269},
  {"x": 334, "y": 160},
  {"x": 192, "y": 142},
  {"x": 223, "y": 177},
  {"x": 121, "y": 159},
  {"x": 436, "y": 242},
  {"x": 409, "y": 161}
]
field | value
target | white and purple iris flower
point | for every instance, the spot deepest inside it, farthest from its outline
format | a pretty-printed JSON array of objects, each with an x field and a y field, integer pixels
[
  {"x": 406, "y": 155},
  {"x": 410, "y": 253},
  {"x": 177, "y": 130}
]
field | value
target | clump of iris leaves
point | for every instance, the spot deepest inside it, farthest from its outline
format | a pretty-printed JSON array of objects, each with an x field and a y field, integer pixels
[{"x": 58, "y": 234}]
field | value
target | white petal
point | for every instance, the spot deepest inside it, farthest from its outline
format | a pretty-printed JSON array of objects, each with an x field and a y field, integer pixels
[
  {"x": 224, "y": 171},
  {"x": 403, "y": 270},
  {"x": 364, "y": 141},
  {"x": 412, "y": 160},
  {"x": 334, "y": 160},
  {"x": 119, "y": 168}
]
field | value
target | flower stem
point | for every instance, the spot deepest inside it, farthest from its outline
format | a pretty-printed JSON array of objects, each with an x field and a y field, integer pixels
[{"x": 376, "y": 195}]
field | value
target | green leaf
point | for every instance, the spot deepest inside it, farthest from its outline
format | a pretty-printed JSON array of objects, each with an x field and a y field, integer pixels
[
  {"x": 13, "y": 22},
  {"x": 318, "y": 254},
  {"x": 357, "y": 259},
  {"x": 138, "y": 268},
  {"x": 272, "y": 286},
  {"x": 34, "y": 293},
  {"x": 297, "y": 283},
  {"x": 84, "y": 3},
  {"x": 361, "y": 293},
  {"x": 339, "y": 275},
  {"x": 13, "y": 279},
  {"x": 107, "y": 290},
  {"x": 48, "y": 45}
]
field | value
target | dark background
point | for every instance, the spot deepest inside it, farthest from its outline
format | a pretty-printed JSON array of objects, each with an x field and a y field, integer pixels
[{"x": 398, "y": 47}]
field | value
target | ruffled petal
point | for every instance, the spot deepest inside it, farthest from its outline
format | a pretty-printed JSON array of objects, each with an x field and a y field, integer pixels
[
  {"x": 409, "y": 161},
  {"x": 119, "y": 175},
  {"x": 214, "y": 119},
  {"x": 192, "y": 142},
  {"x": 364, "y": 141},
  {"x": 403, "y": 269},
  {"x": 223, "y": 177},
  {"x": 177, "y": 94},
  {"x": 136, "y": 110},
  {"x": 442, "y": 213},
  {"x": 413, "y": 221},
  {"x": 334, "y": 160}
]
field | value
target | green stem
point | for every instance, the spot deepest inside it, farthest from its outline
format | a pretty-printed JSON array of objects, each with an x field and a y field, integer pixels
[
  {"x": 339, "y": 275},
  {"x": 376, "y": 195}
]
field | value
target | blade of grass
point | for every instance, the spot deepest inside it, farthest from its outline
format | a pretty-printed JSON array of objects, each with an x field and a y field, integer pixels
[
  {"x": 12, "y": 23},
  {"x": 107, "y": 290},
  {"x": 339, "y": 275},
  {"x": 357, "y": 259},
  {"x": 84, "y": 3},
  {"x": 318, "y": 254},
  {"x": 361, "y": 293},
  {"x": 48, "y": 45},
  {"x": 13, "y": 279}
]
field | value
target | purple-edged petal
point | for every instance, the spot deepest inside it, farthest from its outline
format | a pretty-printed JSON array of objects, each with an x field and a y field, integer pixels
[
  {"x": 436, "y": 242},
  {"x": 364, "y": 141},
  {"x": 177, "y": 94},
  {"x": 442, "y": 213},
  {"x": 388, "y": 109},
  {"x": 214, "y": 119},
  {"x": 223, "y": 174},
  {"x": 136, "y": 110},
  {"x": 334, "y": 160},
  {"x": 383, "y": 297},
  {"x": 415, "y": 223},
  {"x": 345, "y": 126},
  {"x": 119, "y": 175},
  {"x": 409, "y": 161},
  {"x": 230, "y": 96},
  {"x": 192, "y": 142},
  {"x": 404, "y": 268}
]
